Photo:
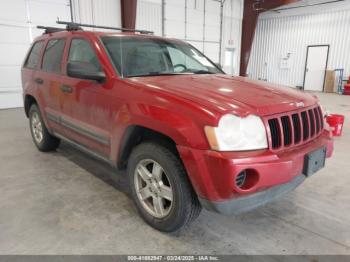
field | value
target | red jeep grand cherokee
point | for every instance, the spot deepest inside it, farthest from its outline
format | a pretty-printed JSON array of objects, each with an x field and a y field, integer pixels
[{"x": 188, "y": 135}]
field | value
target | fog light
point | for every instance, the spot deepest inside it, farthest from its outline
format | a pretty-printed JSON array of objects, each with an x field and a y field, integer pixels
[
  {"x": 240, "y": 178},
  {"x": 247, "y": 179}
]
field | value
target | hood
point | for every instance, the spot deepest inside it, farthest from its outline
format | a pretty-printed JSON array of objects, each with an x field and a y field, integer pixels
[{"x": 238, "y": 95}]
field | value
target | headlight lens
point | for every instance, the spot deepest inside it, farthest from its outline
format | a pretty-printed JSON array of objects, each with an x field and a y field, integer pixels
[{"x": 237, "y": 134}]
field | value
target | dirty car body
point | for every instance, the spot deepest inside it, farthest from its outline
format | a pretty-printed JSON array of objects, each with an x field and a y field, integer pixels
[{"x": 242, "y": 143}]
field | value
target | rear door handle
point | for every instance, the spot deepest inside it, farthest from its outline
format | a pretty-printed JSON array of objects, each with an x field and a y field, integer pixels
[
  {"x": 39, "y": 81},
  {"x": 66, "y": 89}
]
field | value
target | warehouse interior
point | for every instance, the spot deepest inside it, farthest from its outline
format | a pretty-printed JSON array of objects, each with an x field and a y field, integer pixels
[{"x": 67, "y": 202}]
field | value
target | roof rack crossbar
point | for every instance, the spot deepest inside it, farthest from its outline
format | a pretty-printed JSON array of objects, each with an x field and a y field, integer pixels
[
  {"x": 77, "y": 25},
  {"x": 49, "y": 29}
]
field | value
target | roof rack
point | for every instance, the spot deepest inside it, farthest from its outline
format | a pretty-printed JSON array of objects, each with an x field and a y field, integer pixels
[
  {"x": 71, "y": 26},
  {"x": 77, "y": 26},
  {"x": 49, "y": 29}
]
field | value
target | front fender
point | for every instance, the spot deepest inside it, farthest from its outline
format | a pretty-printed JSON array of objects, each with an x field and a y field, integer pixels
[{"x": 182, "y": 126}]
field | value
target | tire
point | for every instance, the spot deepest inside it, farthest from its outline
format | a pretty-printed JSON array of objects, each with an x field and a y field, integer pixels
[
  {"x": 41, "y": 137},
  {"x": 184, "y": 206}
]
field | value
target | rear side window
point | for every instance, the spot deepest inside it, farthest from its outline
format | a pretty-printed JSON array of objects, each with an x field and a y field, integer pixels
[
  {"x": 81, "y": 51},
  {"x": 34, "y": 56},
  {"x": 53, "y": 56}
]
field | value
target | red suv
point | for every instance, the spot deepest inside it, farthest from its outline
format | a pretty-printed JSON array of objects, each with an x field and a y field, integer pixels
[{"x": 188, "y": 135}]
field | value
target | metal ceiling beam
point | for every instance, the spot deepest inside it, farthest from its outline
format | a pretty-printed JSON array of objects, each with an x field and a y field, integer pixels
[{"x": 251, "y": 11}]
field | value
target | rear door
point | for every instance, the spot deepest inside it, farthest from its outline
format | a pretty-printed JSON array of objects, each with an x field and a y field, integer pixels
[
  {"x": 31, "y": 64},
  {"x": 48, "y": 80}
]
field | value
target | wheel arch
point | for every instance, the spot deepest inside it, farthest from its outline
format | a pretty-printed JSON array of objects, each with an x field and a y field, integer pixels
[
  {"x": 136, "y": 134},
  {"x": 29, "y": 100}
]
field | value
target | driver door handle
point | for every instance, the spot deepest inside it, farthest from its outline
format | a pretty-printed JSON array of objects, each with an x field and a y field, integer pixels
[{"x": 66, "y": 89}]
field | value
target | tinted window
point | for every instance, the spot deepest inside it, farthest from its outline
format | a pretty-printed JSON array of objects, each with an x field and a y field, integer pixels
[
  {"x": 34, "y": 56},
  {"x": 81, "y": 51},
  {"x": 53, "y": 56}
]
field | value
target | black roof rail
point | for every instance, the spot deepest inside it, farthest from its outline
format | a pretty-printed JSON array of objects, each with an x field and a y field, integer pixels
[
  {"x": 49, "y": 29},
  {"x": 73, "y": 26}
]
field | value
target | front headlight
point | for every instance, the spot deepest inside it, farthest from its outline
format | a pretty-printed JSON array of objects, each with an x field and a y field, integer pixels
[{"x": 237, "y": 134}]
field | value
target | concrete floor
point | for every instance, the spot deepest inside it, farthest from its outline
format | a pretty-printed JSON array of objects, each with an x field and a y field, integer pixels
[{"x": 67, "y": 203}]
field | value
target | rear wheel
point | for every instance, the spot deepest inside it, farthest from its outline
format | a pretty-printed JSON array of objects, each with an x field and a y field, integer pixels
[
  {"x": 41, "y": 137},
  {"x": 160, "y": 188}
]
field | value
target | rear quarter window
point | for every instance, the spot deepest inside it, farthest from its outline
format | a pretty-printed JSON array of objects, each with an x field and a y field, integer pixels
[
  {"x": 52, "y": 59},
  {"x": 33, "y": 58}
]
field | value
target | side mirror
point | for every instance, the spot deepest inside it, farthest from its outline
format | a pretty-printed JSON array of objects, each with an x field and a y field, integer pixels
[{"x": 85, "y": 70}]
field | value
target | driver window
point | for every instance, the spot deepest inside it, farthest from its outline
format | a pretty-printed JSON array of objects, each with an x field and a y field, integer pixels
[{"x": 81, "y": 51}]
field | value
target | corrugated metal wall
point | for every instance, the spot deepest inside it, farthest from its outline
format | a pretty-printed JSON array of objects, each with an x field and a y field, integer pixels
[
  {"x": 197, "y": 22},
  {"x": 275, "y": 37}
]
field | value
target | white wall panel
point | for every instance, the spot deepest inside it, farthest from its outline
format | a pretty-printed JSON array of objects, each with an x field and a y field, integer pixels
[
  {"x": 14, "y": 33},
  {"x": 196, "y": 21},
  {"x": 232, "y": 32},
  {"x": 211, "y": 50},
  {"x": 277, "y": 36},
  {"x": 18, "y": 21},
  {"x": 174, "y": 22},
  {"x": 9, "y": 77},
  {"x": 14, "y": 11},
  {"x": 199, "y": 45},
  {"x": 149, "y": 16},
  {"x": 47, "y": 12},
  {"x": 194, "y": 31},
  {"x": 10, "y": 98},
  {"x": 97, "y": 12},
  {"x": 12, "y": 54},
  {"x": 212, "y": 33}
]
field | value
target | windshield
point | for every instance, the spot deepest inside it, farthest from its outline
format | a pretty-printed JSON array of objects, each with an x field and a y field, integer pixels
[{"x": 136, "y": 56}]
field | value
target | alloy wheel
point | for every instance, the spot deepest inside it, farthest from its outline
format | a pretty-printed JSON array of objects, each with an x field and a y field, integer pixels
[
  {"x": 153, "y": 188},
  {"x": 37, "y": 127}
]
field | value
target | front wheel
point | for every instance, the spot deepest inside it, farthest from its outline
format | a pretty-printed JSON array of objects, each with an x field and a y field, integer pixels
[{"x": 160, "y": 188}]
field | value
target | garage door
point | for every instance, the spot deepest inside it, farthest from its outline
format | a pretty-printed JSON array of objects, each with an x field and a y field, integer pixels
[
  {"x": 18, "y": 19},
  {"x": 197, "y": 22}
]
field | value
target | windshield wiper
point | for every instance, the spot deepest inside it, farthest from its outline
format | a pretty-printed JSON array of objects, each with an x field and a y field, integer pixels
[
  {"x": 157, "y": 74},
  {"x": 203, "y": 72}
]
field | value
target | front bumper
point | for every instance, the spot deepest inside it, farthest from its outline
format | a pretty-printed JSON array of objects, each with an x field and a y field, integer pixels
[
  {"x": 213, "y": 174},
  {"x": 246, "y": 203}
]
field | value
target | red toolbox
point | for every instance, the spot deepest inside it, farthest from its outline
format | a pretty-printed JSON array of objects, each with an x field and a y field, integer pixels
[
  {"x": 347, "y": 87},
  {"x": 346, "y": 92}
]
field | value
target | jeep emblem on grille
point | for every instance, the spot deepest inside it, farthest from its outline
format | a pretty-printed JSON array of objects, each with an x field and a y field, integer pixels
[{"x": 299, "y": 104}]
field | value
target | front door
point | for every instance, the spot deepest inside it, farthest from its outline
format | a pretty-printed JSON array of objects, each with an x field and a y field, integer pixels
[
  {"x": 87, "y": 103},
  {"x": 316, "y": 65}
]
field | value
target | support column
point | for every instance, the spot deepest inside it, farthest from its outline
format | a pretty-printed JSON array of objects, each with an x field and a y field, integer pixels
[
  {"x": 128, "y": 9},
  {"x": 251, "y": 11}
]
